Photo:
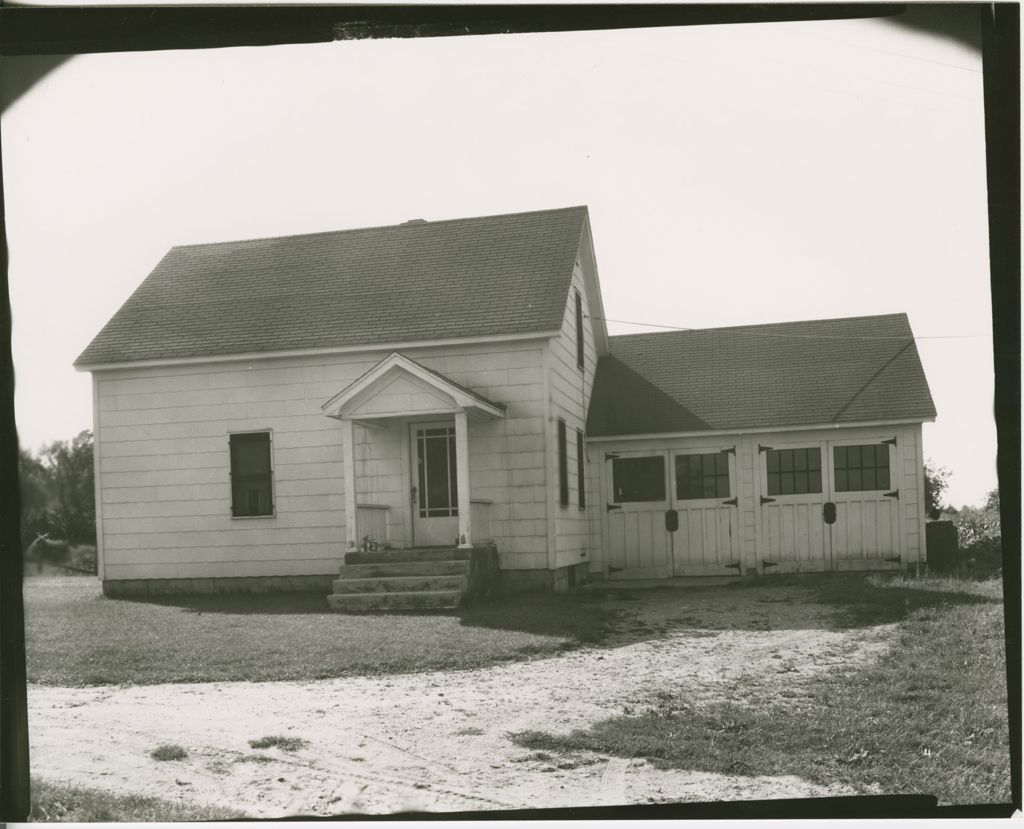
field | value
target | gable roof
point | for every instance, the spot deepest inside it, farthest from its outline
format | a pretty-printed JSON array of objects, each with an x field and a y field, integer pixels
[
  {"x": 395, "y": 363},
  {"x": 487, "y": 276},
  {"x": 858, "y": 369}
]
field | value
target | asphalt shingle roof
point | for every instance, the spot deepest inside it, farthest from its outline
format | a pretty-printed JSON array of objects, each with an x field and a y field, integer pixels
[
  {"x": 492, "y": 275},
  {"x": 787, "y": 374}
]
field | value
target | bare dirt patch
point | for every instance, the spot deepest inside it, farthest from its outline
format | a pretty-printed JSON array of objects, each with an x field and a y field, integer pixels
[{"x": 438, "y": 741}]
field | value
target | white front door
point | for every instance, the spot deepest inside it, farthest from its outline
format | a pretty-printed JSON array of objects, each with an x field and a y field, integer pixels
[{"x": 435, "y": 499}]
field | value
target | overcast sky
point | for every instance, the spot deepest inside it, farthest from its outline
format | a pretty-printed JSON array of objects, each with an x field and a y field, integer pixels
[{"x": 734, "y": 174}]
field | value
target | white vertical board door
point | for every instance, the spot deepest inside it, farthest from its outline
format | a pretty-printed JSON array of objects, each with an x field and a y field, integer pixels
[
  {"x": 794, "y": 535},
  {"x": 804, "y": 484},
  {"x": 639, "y": 547},
  {"x": 707, "y": 542},
  {"x": 866, "y": 532}
]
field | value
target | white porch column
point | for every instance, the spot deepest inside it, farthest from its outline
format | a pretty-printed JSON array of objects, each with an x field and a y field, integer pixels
[
  {"x": 462, "y": 477},
  {"x": 348, "y": 455}
]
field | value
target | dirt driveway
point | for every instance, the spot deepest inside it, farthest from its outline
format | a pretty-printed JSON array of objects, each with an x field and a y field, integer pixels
[{"x": 439, "y": 741}]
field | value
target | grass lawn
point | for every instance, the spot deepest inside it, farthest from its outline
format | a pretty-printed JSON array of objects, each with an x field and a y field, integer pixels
[
  {"x": 75, "y": 636},
  {"x": 73, "y": 804},
  {"x": 930, "y": 717}
]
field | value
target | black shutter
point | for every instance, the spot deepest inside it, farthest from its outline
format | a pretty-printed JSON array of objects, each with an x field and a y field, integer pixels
[
  {"x": 231, "y": 473},
  {"x": 563, "y": 466},
  {"x": 251, "y": 474},
  {"x": 581, "y": 468},
  {"x": 579, "y": 330},
  {"x": 270, "y": 474}
]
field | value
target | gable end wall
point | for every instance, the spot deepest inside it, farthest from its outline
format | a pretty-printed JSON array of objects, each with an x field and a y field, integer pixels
[{"x": 569, "y": 389}]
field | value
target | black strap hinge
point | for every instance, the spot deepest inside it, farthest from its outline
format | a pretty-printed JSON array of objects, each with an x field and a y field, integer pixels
[
  {"x": 730, "y": 451},
  {"x": 766, "y": 563},
  {"x": 896, "y": 559},
  {"x": 736, "y": 565},
  {"x": 732, "y": 502},
  {"x": 894, "y": 494},
  {"x": 761, "y": 448},
  {"x": 613, "y": 506},
  {"x": 610, "y": 456},
  {"x": 890, "y": 441},
  {"x": 765, "y": 500}
]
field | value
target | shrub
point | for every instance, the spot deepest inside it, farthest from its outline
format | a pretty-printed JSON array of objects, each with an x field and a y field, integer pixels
[
  {"x": 168, "y": 751},
  {"x": 283, "y": 743},
  {"x": 980, "y": 536}
]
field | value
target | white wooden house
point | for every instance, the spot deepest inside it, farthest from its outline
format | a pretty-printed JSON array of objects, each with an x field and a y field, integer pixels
[{"x": 263, "y": 407}]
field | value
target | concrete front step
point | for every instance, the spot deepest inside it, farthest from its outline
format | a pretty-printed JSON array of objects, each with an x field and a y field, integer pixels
[
  {"x": 401, "y": 584},
  {"x": 375, "y": 602},
  {"x": 405, "y": 568},
  {"x": 420, "y": 554}
]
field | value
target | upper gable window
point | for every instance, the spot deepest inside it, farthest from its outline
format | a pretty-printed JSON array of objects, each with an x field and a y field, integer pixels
[
  {"x": 579, "y": 330},
  {"x": 252, "y": 491}
]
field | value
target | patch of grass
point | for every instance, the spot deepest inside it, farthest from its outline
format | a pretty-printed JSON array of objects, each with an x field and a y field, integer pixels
[
  {"x": 53, "y": 802},
  {"x": 168, "y": 751},
  {"x": 867, "y": 600},
  {"x": 283, "y": 743},
  {"x": 929, "y": 717},
  {"x": 75, "y": 636},
  {"x": 255, "y": 758},
  {"x": 471, "y": 731}
]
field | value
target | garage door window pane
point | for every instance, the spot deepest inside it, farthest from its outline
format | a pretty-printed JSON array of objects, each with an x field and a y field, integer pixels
[
  {"x": 862, "y": 468},
  {"x": 702, "y": 476},
  {"x": 638, "y": 479},
  {"x": 794, "y": 471}
]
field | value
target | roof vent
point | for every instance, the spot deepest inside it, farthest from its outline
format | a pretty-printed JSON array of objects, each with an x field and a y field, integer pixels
[{"x": 415, "y": 222}]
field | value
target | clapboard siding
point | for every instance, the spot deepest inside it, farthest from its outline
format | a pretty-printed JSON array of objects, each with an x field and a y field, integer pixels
[
  {"x": 165, "y": 482},
  {"x": 570, "y": 388}
]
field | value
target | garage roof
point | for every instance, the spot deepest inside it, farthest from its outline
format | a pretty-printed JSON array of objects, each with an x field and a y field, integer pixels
[
  {"x": 494, "y": 275},
  {"x": 857, "y": 369}
]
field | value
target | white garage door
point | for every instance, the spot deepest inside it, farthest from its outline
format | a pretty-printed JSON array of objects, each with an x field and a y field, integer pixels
[
  {"x": 829, "y": 505},
  {"x": 672, "y": 513}
]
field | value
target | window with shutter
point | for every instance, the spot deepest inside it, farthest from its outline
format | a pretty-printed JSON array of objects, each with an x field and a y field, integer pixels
[{"x": 252, "y": 491}]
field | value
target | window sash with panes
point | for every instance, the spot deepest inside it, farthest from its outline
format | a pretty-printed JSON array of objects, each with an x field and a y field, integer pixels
[
  {"x": 251, "y": 475},
  {"x": 702, "y": 476},
  {"x": 861, "y": 468},
  {"x": 438, "y": 487},
  {"x": 794, "y": 471},
  {"x": 638, "y": 479}
]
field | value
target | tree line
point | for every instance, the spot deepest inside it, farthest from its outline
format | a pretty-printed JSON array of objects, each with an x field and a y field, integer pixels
[{"x": 58, "y": 496}]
